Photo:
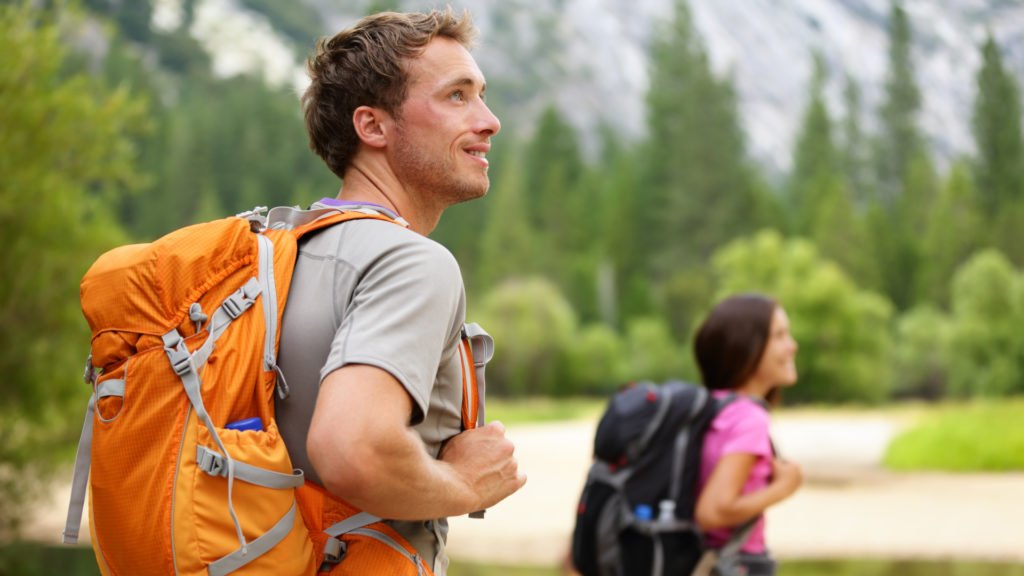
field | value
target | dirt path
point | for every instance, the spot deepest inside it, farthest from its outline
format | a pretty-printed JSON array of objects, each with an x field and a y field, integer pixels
[{"x": 848, "y": 507}]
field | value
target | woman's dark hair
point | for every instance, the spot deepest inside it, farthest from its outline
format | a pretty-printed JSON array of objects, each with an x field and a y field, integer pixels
[{"x": 731, "y": 340}]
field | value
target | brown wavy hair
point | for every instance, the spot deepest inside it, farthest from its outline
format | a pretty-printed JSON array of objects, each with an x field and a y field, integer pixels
[
  {"x": 731, "y": 341},
  {"x": 365, "y": 65}
]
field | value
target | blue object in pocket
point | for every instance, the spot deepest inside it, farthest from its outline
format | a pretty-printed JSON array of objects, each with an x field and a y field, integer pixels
[{"x": 247, "y": 424}]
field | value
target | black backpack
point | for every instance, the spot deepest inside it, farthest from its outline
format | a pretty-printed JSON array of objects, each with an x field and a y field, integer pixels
[{"x": 635, "y": 516}]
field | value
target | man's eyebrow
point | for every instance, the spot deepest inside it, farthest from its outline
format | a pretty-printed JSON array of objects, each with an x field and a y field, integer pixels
[{"x": 466, "y": 81}]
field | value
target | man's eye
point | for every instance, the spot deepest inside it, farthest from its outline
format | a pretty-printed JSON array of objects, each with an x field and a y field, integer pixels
[{"x": 457, "y": 96}]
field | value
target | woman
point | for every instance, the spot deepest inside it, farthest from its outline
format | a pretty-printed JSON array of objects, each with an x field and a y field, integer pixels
[{"x": 745, "y": 351}]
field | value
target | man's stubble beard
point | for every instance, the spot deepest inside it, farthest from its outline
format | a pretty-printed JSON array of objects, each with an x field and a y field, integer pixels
[{"x": 436, "y": 177}]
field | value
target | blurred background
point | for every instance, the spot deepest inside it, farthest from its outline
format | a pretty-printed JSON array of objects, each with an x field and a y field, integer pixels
[{"x": 861, "y": 160}]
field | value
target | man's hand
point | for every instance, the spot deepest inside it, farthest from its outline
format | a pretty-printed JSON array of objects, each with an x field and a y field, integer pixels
[
  {"x": 484, "y": 459},
  {"x": 365, "y": 452}
]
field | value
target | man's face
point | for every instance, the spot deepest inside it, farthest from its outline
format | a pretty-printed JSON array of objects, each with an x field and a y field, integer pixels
[{"x": 444, "y": 130}]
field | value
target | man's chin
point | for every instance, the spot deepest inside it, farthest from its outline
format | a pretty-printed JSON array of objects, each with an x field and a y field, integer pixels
[{"x": 471, "y": 193}]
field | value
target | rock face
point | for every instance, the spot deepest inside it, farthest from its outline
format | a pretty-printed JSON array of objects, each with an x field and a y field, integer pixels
[
  {"x": 589, "y": 57},
  {"x": 596, "y": 61}
]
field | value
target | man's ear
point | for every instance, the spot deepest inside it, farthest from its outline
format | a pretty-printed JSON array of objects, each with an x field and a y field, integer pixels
[{"x": 371, "y": 125}]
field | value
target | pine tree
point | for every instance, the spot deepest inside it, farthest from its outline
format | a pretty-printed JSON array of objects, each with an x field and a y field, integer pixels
[
  {"x": 821, "y": 207},
  {"x": 553, "y": 163},
  {"x": 816, "y": 167},
  {"x": 697, "y": 189},
  {"x": 999, "y": 165},
  {"x": 953, "y": 233},
  {"x": 65, "y": 154},
  {"x": 900, "y": 139},
  {"x": 906, "y": 180},
  {"x": 507, "y": 244},
  {"x": 854, "y": 149}
]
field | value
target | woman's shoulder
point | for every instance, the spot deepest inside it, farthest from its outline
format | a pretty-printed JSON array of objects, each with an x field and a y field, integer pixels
[{"x": 741, "y": 410}]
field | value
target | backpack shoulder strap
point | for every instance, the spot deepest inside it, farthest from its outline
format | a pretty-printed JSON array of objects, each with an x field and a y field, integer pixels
[{"x": 301, "y": 222}]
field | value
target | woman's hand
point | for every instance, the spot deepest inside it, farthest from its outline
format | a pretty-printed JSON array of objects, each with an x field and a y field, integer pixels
[{"x": 787, "y": 475}]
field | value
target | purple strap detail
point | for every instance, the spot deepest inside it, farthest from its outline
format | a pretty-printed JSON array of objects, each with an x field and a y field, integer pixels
[{"x": 336, "y": 203}]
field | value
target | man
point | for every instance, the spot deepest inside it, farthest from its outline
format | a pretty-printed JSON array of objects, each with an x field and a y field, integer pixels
[{"x": 370, "y": 337}]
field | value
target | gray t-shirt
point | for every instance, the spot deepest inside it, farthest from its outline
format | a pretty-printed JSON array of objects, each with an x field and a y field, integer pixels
[{"x": 372, "y": 292}]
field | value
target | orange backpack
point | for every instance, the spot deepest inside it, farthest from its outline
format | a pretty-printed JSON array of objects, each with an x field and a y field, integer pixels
[{"x": 180, "y": 452}]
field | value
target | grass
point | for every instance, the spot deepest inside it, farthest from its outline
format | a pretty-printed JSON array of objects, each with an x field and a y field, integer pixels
[
  {"x": 466, "y": 569},
  {"x": 978, "y": 436},
  {"x": 539, "y": 410}
]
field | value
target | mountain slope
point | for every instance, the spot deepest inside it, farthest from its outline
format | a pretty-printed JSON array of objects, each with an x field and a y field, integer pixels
[{"x": 590, "y": 56}]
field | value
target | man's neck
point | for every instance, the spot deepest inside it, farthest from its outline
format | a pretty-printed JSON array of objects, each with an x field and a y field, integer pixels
[{"x": 365, "y": 186}]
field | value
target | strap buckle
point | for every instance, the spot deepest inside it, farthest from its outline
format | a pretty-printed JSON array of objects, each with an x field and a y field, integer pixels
[
  {"x": 89, "y": 375},
  {"x": 210, "y": 462},
  {"x": 334, "y": 553}
]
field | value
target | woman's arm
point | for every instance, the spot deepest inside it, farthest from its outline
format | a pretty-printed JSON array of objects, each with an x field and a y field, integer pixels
[{"x": 722, "y": 503}]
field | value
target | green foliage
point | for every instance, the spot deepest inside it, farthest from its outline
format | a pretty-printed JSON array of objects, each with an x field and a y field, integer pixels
[
  {"x": 625, "y": 236},
  {"x": 999, "y": 165},
  {"x": 65, "y": 153},
  {"x": 538, "y": 409},
  {"x": 854, "y": 148},
  {"x": 903, "y": 175},
  {"x": 551, "y": 166},
  {"x": 921, "y": 354},
  {"x": 132, "y": 18},
  {"x": 506, "y": 241},
  {"x": 979, "y": 436},
  {"x": 987, "y": 354},
  {"x": 843, "y": 332},
  {"x": 685, "y": 296},
  {"x": 223, "y": 147},
  {"x": 821, "y": 206},
  {"x": 901, "y": 567},
  {"x": 297, "y": 20},
  {"x": 34, "y": 559},
  {"x": 383, "y": 6},
  {"x": 651, "y": 352},
  {"x": 952, "y": 233},
  {"x": 596, "y": 360},
  {"x": 1006, "y": 231},
  {"x": 697, "y": 190},
  {"x": 816, "y": 169},
  {"x": 533, "y": 325},
  {"x": 900, "y": 139}
]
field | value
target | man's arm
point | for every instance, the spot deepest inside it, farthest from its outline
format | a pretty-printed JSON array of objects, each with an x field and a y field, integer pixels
[{"x": 365, "y": 452}]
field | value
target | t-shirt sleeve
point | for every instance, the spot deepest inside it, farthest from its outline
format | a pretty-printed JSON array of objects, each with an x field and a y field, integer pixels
[
  {"x": 746, "y": 427},
  {"x": 402, "y": 316}
]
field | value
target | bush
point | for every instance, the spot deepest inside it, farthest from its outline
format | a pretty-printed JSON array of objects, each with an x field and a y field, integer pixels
[
  {"x": 596, "y": 361},
  {"x": 921, "y": 354},
  {"x": 533, "y": 326},
  {"x": 651, "y": 352},
  {"x": 980, "y": 436},
  {"x": 987, "y": 351}
]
